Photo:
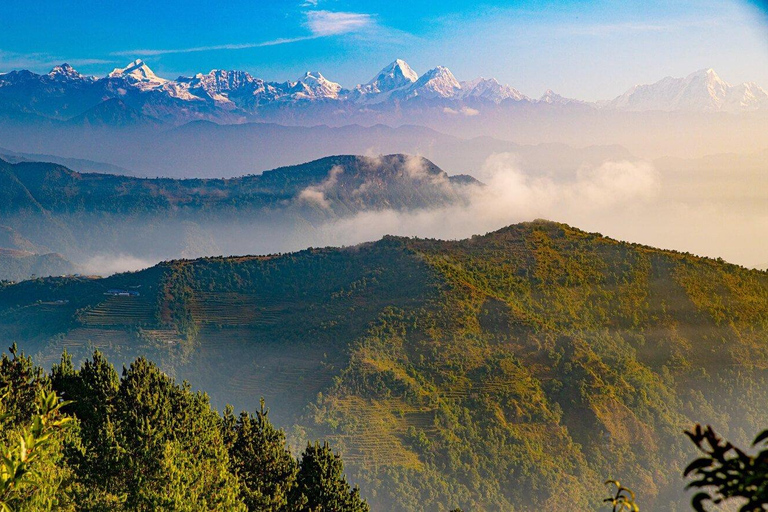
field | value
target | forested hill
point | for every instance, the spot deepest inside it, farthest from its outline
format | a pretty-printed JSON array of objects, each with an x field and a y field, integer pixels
[
  {"x": 511, "y": 371},
  {"x": 351, "y": 183},
  {"x": 83, "y": 216}
]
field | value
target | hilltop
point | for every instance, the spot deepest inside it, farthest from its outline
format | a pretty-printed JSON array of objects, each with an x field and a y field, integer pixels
[{"x": 509, "y": 371}]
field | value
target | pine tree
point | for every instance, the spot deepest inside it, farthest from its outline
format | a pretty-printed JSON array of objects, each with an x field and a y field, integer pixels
[
  {"x": 92, "y": 390},
  {"x": 260, "y": 459},
  {"x": 322, "y": 482},
  {"x": 169, "y": 430}
]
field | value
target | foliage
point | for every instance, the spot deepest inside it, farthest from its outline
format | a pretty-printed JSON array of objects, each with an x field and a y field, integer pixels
[
  {"x": 259, "y": 457},
  {"x": 622, "y": 499},
  {"x": 141, "y": 442},
  {"x": 32, "y": 434},
  {"x": 320, "y": 481},
  {"x": 725, "y": 472}
]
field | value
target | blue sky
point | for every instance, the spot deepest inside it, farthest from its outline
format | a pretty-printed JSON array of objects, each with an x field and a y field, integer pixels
[{"x": 586, "y": 49}]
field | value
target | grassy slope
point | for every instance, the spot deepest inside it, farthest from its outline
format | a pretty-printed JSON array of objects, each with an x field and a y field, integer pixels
[{"x": 510, "y": 371}]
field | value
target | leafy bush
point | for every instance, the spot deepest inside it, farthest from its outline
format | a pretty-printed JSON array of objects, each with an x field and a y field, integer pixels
[{"x": 726, "y": 472}]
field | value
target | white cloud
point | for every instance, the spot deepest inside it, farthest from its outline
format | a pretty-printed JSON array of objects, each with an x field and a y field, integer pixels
[
  {"x": 591, "y": 198},
  {"x": 466, "y": 111},
  {"x": 329, "y": 23},
  {"x": 147, "y": 52},
  {"x": 315, "y": 194},
  {"x": 108, "y": 264},
  {"x": 320, "y": 24}
]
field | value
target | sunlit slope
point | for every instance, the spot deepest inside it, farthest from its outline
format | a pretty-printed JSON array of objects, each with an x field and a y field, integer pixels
[{"x": 511, "y": 371}]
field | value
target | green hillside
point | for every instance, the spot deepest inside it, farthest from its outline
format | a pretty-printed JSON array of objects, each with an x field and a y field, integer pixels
[{"x": 511, "y": 371}]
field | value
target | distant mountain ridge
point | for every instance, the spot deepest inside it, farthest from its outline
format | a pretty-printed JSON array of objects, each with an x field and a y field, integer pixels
[
  {"x": 49, "y": 207},
  {"x": 702, "y": 91},
  {"x": 354, "y": 182},
  {"x": 20, "y": 265},
  {"x": 235, "y": 96}
]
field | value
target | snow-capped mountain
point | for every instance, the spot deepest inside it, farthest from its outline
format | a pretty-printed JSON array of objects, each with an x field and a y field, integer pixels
[
  {"x": 137, "y": 72},
  {"x": 550, "y": 97},
  {"x": 490, "y": 89},
  {"x": 702, "y": 91},
  {"x": 233, "y": 89},
  {"x": 396, "y": 76},
  {"x": 435, "y": 83},
  {"x": 66, "y": 72},
  {"x": 313, "y": 85},
  {"x": 235, "y": 96},
  {"x": 400, "y": 82}
]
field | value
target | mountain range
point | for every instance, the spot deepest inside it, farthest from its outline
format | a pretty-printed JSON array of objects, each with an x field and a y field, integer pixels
[
  {"x": 515, "y": 370},
  {"x": 135, "y": 94}
]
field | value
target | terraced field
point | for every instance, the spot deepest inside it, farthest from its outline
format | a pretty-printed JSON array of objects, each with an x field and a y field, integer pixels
[
  {"x": 235, "y": 309},
  {"x": 246, "y": 367},
  {"x": 379, "y": 432},
  {"x": 81, "y": 341},
  {"x": 119, "y": 311},
  {"x": 162, "y": 336}
]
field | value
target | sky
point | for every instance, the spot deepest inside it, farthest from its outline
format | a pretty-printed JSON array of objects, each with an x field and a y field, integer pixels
[{"x": 585, "y": 49}]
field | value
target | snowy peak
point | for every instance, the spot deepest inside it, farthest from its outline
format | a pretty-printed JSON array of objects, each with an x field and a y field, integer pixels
[
  {"x": 745, "y": 97},
  {"x": 219, "y": 81},
  {"x": 490, "y": 89},
  {"x": 64, "y": 71},
  {"x": 701, "y": 91},
  {"x": 313, "y": 85},
  {"x": 137, "y": 71},
  {"x": 235, "y": 96},
  {"x": 550, "y": 97},
  {"x": 436, "y": 83},
  {"x": 397, "y": 74}
]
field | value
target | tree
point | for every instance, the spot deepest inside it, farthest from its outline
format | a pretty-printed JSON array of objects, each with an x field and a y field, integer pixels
[
  {"x": 165, "y": 430},
  {"x": 727, "y": 472},
  {"x": 261, "y": 461},
  {"x": 31, "y": 474},
  {"x": 97, "y": 456},
  {"x": 22, "y": 383},
  {"x": 321, "y": 481},
  {"x": 147, "y": 443}
]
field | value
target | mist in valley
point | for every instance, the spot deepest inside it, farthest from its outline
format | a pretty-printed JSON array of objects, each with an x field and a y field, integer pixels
[{"x": 709, "y": 207}]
